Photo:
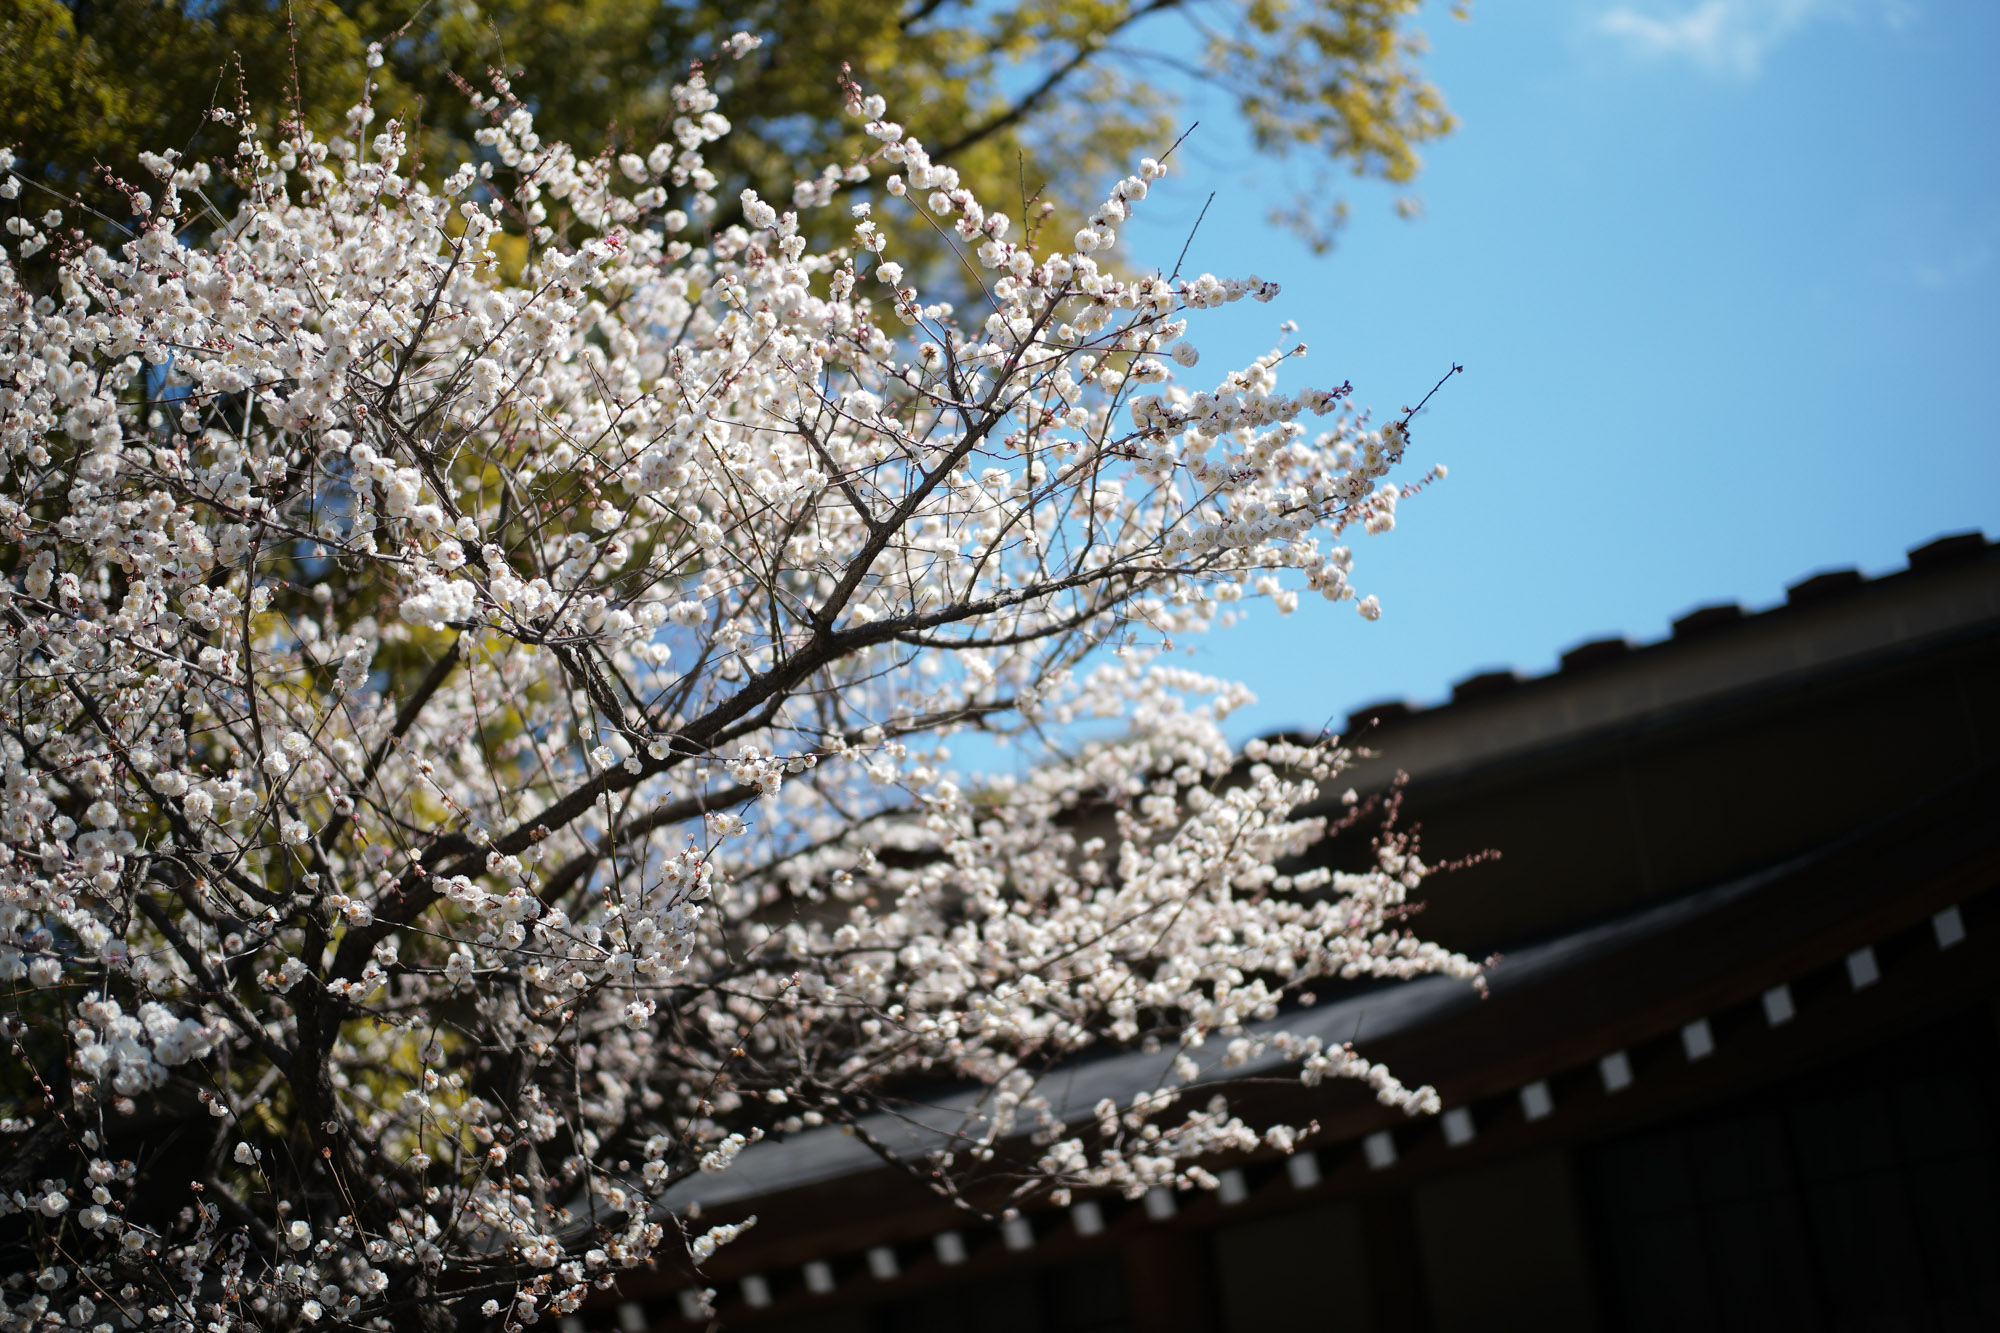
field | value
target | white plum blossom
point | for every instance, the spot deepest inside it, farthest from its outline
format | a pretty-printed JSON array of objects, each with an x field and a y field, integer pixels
[{"x": 482, "y": 661}]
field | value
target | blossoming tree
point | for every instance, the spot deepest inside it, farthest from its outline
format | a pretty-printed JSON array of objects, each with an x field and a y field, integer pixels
[{"x": 475, "y": 731}]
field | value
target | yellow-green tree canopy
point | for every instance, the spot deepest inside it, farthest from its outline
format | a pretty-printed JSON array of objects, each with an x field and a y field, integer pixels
[{"x": 1021, "y": 96}]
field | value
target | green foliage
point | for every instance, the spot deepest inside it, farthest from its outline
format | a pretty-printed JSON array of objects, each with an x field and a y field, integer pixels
[
  {"x": 1017, "y": 94},
  {"x": 90, "y": 83}
]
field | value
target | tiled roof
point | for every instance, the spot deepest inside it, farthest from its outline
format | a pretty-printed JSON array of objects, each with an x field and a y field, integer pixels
[
  {"x": 1828, "y": 621},
  {"x": 1817, "y": 590}
]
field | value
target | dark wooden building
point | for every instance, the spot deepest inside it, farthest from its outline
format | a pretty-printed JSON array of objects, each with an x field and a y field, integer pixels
[{"x": 1739, "y": 1069}]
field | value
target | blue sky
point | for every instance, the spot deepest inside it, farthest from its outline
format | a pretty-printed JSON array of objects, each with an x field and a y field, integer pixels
[{"x": 1725, "y": 278}]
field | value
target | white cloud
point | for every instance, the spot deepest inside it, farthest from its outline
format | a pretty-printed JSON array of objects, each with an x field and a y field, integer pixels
[{"x": 1729, "y": 37}]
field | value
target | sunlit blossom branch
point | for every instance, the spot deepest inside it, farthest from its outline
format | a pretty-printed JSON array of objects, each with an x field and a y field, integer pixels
[{"x": 479, "y": 668}]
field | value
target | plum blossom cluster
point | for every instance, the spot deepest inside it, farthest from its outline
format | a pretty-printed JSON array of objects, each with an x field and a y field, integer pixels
[{"x": 481, "y": 662}]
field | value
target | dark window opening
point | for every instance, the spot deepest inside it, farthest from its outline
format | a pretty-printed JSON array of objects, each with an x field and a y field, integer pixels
[{"x": 1863, "y": 1197}]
